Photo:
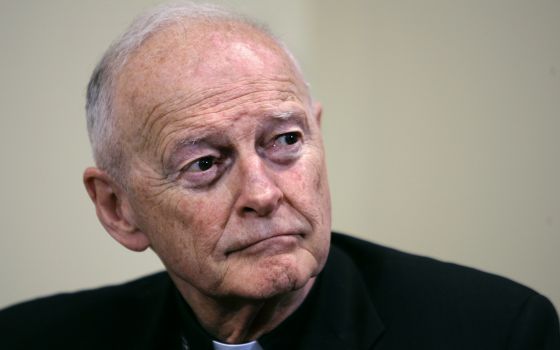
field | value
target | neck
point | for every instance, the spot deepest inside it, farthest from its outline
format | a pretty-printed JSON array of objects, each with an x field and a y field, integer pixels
[{"x": 234, "y": 320}]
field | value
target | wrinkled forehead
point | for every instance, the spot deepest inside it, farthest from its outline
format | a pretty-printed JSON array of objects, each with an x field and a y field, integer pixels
[{"x": 199, "y": 57}]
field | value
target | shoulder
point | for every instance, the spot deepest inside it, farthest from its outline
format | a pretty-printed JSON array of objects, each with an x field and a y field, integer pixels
[
  {"x": 421, "y": 294},
  {"x": 69, "y": 305},
  {"x": 400, "y": 269},
  {"x": 102, "y": 313}
]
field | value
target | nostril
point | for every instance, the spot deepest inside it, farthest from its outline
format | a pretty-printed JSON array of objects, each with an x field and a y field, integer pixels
[{"x": 248, "y": 210}]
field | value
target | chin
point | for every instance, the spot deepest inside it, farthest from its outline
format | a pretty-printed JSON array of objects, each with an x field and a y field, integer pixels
[{"x": 280, "y": 275}]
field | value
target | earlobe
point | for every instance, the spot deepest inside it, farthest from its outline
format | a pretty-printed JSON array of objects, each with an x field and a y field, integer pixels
[
  {"x": 317, "y": 112},
  {"x": 113, "y": 210}
]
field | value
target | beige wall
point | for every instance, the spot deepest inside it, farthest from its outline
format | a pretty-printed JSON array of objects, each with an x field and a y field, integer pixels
[{"x": 442, "y": 123}]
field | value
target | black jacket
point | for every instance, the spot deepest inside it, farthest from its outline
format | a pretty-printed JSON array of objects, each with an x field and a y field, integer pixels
[{"x": 367, "y": 297}]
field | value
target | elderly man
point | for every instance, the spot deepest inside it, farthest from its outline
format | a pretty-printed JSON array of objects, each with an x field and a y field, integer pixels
[{"x": 209, "y": 151}]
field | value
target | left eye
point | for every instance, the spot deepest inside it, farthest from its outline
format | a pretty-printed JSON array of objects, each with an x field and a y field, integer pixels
[
  {"x": 286, "y": 147},
  {"x": 289, "y": 138}
]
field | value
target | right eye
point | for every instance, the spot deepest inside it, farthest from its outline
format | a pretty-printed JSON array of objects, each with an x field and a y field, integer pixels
[
  {"x": 201, "y": 164},
  {"x": 204, "y": 171}
]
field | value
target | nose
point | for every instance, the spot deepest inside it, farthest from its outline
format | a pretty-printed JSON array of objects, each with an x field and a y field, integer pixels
[{"x": 259, "y": 194}]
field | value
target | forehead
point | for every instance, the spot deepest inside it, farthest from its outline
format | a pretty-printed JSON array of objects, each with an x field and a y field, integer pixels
[{"x": 182, "y": 60}]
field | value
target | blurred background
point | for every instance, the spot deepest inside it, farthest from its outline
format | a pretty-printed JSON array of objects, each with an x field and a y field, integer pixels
[{"x": 441, "y": 121}]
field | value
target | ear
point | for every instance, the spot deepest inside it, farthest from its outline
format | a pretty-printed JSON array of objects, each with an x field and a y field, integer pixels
[
  {"x": 317, "y": 112},
  {"x": 113, "y": 209}
]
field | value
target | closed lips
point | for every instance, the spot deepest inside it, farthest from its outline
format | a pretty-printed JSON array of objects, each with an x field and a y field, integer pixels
[{"x": 266, "y": 238}]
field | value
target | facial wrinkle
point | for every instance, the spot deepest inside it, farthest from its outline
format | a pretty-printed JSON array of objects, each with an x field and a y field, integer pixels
[
  {"x": 204, "y": 101},
  {"x": 174, "y": 105},
  {"x": 150, "y": 178},
  {"x": 206, "y": 94}
]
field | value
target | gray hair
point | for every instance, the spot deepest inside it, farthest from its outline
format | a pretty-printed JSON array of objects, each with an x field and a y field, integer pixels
[{"x": 105, "y": 140}]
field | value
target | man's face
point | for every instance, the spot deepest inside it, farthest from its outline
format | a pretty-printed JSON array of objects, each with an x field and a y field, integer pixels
[{"x": 226, "y": 167}]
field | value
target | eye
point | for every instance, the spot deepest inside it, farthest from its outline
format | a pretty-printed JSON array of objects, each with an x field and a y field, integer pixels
[
  {"x": 289, "y": 138},
  {"x": 286, "y": 147},
  {"x": 201, "y": 164},
  {"x": 204, "y": 171}
]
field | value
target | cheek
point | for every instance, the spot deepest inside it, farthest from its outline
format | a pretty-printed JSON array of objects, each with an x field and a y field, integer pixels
[
  {"x": 186, "y": 235},
  {"x": 306, "y": 187},
  {"x": 203, "y": 219}
]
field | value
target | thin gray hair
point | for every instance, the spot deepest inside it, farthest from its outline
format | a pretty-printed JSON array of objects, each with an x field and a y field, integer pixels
[{"x": 105, "y": 140}]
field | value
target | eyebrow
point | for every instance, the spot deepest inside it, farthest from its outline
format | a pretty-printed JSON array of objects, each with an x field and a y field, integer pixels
[
  {"x": 282, "y": 115},
  {"x": 210, "y": 131},
  {"x": 298, "y": 117}
]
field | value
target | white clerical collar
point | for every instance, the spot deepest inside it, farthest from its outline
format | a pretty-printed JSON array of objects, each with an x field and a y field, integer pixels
[{"x": 253, "y": 345}]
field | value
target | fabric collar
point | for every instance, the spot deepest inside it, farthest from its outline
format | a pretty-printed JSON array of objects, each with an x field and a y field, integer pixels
[{"x": 253, "y": 345}]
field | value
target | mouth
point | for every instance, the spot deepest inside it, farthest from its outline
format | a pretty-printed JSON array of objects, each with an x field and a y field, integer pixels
[{"x": 271, "y": 245}]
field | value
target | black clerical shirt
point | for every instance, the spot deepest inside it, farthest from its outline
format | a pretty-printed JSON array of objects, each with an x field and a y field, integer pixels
[{"x": 367, "y": 297}]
